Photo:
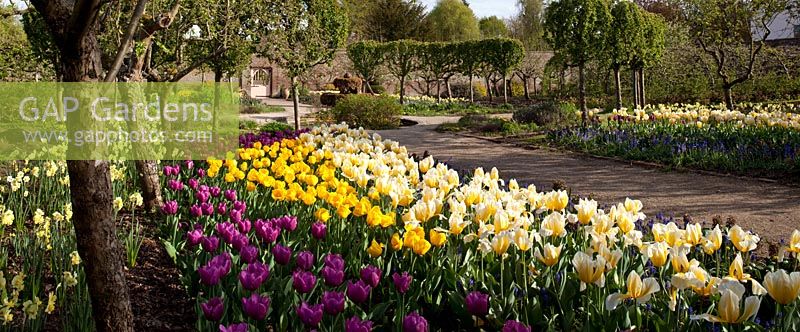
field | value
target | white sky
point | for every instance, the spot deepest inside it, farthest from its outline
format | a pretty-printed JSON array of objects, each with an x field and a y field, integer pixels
[{"x": 484, "y": 8}]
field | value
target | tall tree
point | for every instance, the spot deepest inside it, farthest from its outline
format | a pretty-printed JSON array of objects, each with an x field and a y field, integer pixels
[
  {"x": 401, "y": 61},
  {"x": 531, "y": 67},
  {"x": 732, "y": 34},
  {"x": 366, "y": 57},
  {"x": 493, "y": 27},
  {"x": 452, "y": 20},
  {"x": 576, "y": 30},
  {"x": 73, "y": 25},
  {"x": 623, "y": 39},
  {"x": 17, "y": 61},
  {"x": 390, "y": 20},
  {"x": 650, "y": 48},
  {"x": 307, "y": 34},
  {"x": 527, "y": 26}
]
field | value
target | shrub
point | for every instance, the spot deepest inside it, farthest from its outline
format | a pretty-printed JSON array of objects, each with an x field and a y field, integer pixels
[
  {"x": 275, "y": 127},
  {"x": 330, "y": 99},
  {"x": 549, "y": 114},
  {"x": 370, "y": 112},
  {"x": 461, "y": 90},
  {"x": 347, "y": 85},
  {"x": 517, "y": 89}
]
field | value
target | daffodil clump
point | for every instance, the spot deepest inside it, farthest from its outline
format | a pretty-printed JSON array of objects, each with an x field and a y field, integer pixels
[
  {"x": 763, "y": 141},
  {"x": 41, "y": 272},
  {"x": 340, "y": 227}
]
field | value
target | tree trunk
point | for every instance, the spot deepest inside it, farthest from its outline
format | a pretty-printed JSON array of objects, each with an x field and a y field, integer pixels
[
  {"x": 149, "y": 183},
  {"x": 217, "y": 75},
  {"x": 402, "y": 90},
  {"x": 449, "y": 91},
  {"x": 505, "y": 89},
  {"x": 296, "y": 102},
  {"x": 642, "y": 96},
  {"x": 727, "y": 90},
  {"x": 582, "y": 90},
  {"x": 438, "y": 92},
  {"x": 488, "y": 89},
  {"x": 90, "y": 181},
  {"x": 471, "y": 90},
  {"x": 635, "y": 81},
  {"x": 618, "y": 85},
  {"x": 525, "y": 88}
]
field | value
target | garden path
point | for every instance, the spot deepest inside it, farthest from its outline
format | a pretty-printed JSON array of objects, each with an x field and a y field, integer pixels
[
  {"x": 770, "y": 209},
  {"x": 286, "y": 116}
]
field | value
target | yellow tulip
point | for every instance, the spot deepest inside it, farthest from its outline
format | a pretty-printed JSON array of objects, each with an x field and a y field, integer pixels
[
  {"x": 590, "y": 271},
  {"x": 556, "y": 200},
  {"x": 625, "y": 222},
  {"x": 794, "y": 243},
  {"x": 322, "y": 215},
  {"x": 421, "y": 246},
  {"x": 587, "y": 209},
  {"x": 554, "y": 225},
  {"x": 523, "y": 240},
  {"x": 694, "y": 234},
  {"x": 680, "y": 262},
  {"x": 437, "y": 239},
  {"x": 638, "y": 289},
  {"x": 743, "y": 241},
  {"x": 729, "y": 306},
  {"x": 396, "y": 243},
  {"x": 713, "y": 241},
  {"x": 500, "y": 244},
  {"x": 633, "y": 205},
  {"x": 782, "y": 287},
  {"x": 658, "y": 253},
  {"x": 550, "y": 256},
  {"x": 375, "y": 249}
]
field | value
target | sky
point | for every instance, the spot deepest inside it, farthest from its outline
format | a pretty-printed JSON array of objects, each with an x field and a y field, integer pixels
[{"x": 484, "y": 8}]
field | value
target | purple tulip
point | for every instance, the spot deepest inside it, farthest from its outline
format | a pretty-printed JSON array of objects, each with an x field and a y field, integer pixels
[
  {"x": 305, "y": 260},
  {"x": 214, "y": 191},
  {"x": 213, "y": 309},
  {"x": 215, "y": 269},
  {"x": 310, "y": 315},
  {"x": 240, "y": 327},
  {"x": 236, "y": 215},
  {"x": 193, "y": 183},
  {"x": 288, "y": 223},
  {"x": 334, "y": 261},
  {"x": 239, "y": 205},
  {"x": 170, "y": 207},
  {"x": 223, "y": 261},
  {"x": 319, "y": 230},
  {"x": 196, "y": 211},
  {"x": 359, "y": 291},
  {"x": 239, "y": 241},
  {"x": 244, "y": 225},
  {"x": 202, "y": 196},
  {"x": 332, "y": 276},
  {"x": 226, "y": 231},
  {"x": 207, "y": 208},
  {"x": 249, "y": 254},
  {"x": 355, "y": 324},
  {"x": 193, "y": 237},
  {"x": 210, "y": 243},
  {"x": 189, "y": 164},
  {"x": 174, "y": 185},
  {"x": 371, "y": 275},
  {"x": 413, "y": 322},
  {"x": 230, "y": 195},
  {"x": 282, "y": 254},
  {"x": 167, "y": 170},
  {"x": 477, "y": 303},
  {"x": 201, "y": 172},
  {"x": 222, "y": 208},
  {"x": 253, "y": 276},
  {"x": 303, "y": 281},
  {"x": 333, "y": 302},
  {"x": 402, "y": 282},
  {"x": 515, "y": 326},
  {"x": 267, "y": 231},
  {"x": 256, "y": 306}
]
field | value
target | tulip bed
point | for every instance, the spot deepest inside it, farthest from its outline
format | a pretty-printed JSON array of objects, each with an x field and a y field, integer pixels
[
  {"x": 339, "y": 230},
  {"x": 764, "y": 141}
]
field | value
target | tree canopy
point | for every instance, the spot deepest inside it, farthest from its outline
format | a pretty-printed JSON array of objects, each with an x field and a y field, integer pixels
[
  {"x": 527, "y": 25},
  {"x": 493, "y": 27},
  {"x": 452, "y": 20},
  {"x": 390, "y": 20}
]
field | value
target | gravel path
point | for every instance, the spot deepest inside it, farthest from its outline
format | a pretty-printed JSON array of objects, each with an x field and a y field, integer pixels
[{"x": 771, "y": 210}]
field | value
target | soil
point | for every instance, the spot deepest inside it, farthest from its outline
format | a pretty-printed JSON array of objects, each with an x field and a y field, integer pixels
[{"x": 770, "y": 209}]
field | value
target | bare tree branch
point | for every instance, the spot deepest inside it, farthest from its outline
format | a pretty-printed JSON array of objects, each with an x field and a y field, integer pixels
[
  {"x": 123, "y": 46},
  {"x": 197, "y": 64}
]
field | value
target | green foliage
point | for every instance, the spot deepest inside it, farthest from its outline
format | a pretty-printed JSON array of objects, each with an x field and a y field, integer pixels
[
  {"x": 452, "y": 20},
  {"x": 401, "y": 60},
  {"x": 45, "y": 52},
  {"x": 370, "y": 112},
  {"x": 502, "y": 55},
  {"x": 274, "y": 127},
  {"x": 493, "y": 27},
  {"x": 576, "y": 29},
  {"x": 366, "y": 56},
  {"x": 626, "y": 34},
  {"x": 527, "y": 26},
  {"x": 487, "y": 125},
  {"x": 419, "y": 108},
  {"x": 234, "y": 35},
  {"x": 547, "y": 114},
  {"x": 391, "y": 20}
]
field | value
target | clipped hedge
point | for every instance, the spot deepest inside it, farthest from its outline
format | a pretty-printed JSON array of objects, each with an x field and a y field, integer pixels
[{"x": 367, "y": 111}]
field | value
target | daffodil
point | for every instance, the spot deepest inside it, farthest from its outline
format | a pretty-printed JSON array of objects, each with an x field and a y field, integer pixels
[
  {"x": 75, "y": 258},
  {"x": 729, "y": 308},
  {"x": 638, "y": 290},
  {"x": 782, "y": 287},
  {"x": 590, "y": 271},
  {"x": 51, "y": 303},
  {"x": 549, "y": 255}
]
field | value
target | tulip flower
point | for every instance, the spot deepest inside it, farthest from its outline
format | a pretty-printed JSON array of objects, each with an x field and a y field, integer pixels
[
  {"x": 355, "y": 324},
  {"x": 193, "y": 237},
  {"x": 421, "y": 246},
  {"x": 554, "y": 225},
  {"x": 477, "y": 303},
  {"x": 249, "y": 254},
  {"x": 658, "y": 253},
  {"x": 209, "y": 243},
  {"x": 230, "y": 195},
  {"x": 253, "y": 276},
  {"x": 500, "y": 244},
  {"x": 213, "y": 309},
  {"x": 413, "y": 322},
  {"x": 782, "y": 287},
  {"x": 515, "y": 326},
  {"x": 736, "y": 272},
  {"x": 638, "y": 289},
  {"x": 590, "y": 271},
  {"x": 332, "y": 276},
  {"x": 267, "y": 231},
  {"x": 729, "y": 306},
  {"x": 550, "y": 256},
  {"x": 359, "y": 291},
  {"x": 333, "y": 302},
  {"x": 744, "y": 241},
  {"x": 587, "y": 209},
  {"x": 303, "y": 281},
  {"x": 310, "y": 315},
  {"x": 402, "y": 282},
  {"x": 240, "y": 327},
  {"x": 334, "y": 261},
  {"x": 170, "y": 207},
  {"x": 305, "y": 260},
  {"x": 556, "y": 200},
  {"x": 282, "y": 254},
  {"x": 375, "y": 249},
  {"x": 256, "y": 306},
  {"x": 694, "y": 234},
  {"x": 396, "y": 242},
  {"x": 697, "y": 279},
  {"x": 318, "y": 230},
  {"x": 438, "y": 239},
  {"x": 288, "y": 223},
  {"x": 371, "y": 275}
]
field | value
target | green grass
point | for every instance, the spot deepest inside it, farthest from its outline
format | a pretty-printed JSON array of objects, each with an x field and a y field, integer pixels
[{"x": 433, "y": 109}]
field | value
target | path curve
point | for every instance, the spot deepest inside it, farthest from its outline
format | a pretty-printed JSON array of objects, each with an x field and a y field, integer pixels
[{"x": 771, "y": 210}]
